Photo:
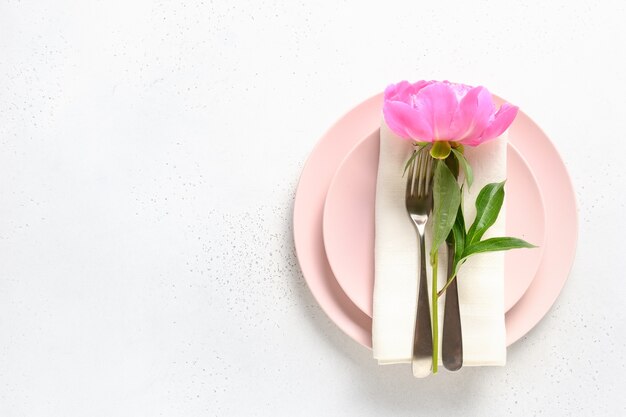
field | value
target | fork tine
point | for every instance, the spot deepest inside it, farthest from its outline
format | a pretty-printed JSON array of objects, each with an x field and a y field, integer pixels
[
  {"x": 418, "y": 164},
  {"x": 416, "y": 175},
  {"x": 429, "y": 174},
  {"x": 422, "y": 172},
  {"x": 409, "y": 180}
]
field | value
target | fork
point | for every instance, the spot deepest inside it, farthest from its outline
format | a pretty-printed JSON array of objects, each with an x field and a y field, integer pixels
[
  {"x": 452, "y": 339},
  {"x": 419, "y": 203}
]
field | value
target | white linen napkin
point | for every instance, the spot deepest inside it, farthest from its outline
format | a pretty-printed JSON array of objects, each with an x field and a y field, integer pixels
[{"x": 481, "y": 278}]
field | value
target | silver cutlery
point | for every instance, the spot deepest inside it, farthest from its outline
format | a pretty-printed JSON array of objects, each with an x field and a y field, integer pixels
[
  {"x": 452, "y": 340},
  {"x": 419, "y": 203}
]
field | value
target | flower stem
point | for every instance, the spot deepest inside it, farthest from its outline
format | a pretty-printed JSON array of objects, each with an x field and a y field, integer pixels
[
  {"x": 435, "y": 315},
  {"x": 445, "y": 287}
]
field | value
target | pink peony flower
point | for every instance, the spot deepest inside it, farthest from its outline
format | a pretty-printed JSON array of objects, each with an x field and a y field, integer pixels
[{"x": 430, "y": 111}]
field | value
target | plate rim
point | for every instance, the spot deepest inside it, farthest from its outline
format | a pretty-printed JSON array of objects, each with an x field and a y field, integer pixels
[{"x": 361, "y": 331}]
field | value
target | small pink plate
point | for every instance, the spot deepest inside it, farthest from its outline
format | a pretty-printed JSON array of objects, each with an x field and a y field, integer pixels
[
  {"x": 349, "y": 224},
  {"x": 551, "y": 175}
]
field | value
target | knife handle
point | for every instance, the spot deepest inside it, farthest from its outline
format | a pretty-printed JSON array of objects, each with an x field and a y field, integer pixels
[{"x": 452, "y": 340}]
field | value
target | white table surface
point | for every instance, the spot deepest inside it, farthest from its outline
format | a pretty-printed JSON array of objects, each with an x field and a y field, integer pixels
[{"x": 149, "y": 154}]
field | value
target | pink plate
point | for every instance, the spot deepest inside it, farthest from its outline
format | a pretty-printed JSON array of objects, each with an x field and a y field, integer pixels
[
  {"x": 349, "y": 224},
  {"x": 540, "y": 155}
]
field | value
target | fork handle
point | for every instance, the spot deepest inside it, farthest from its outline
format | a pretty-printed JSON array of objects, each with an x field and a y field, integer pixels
[
  {"x": 452, "y": 340},
  {"x": 423, "y": 336}
]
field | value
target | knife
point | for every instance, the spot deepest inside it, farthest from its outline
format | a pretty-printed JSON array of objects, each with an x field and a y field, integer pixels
[{"x": 452, "y": 340}]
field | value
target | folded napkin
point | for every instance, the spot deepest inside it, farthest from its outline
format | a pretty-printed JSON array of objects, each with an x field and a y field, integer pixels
[{"x": 481, "y": 278}]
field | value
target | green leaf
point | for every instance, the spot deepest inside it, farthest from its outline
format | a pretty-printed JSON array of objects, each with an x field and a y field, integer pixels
[
  {"x": 457, "y": 236},
  {"x": 458, "y": 230},
  {"x": 419, "y": 146},
  {"x": 446, "y": 201},
  {"x": 488, "y": 205},
  {"x": 453, "y": 164},
  {"x": 494, "y": 244},
  {"x": 467, "y": 169},
  {"x": 409, "y": 162},
  {"x": 457, "y": 266}
]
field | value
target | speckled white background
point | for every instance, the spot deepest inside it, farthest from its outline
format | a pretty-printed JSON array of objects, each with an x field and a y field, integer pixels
[{"x": 149, "y": 153}]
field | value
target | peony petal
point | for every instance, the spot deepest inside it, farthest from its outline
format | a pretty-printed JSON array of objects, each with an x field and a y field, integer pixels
[
  {"x": 437, "y": 102},
  {"x": 406, "y": 121},
  {"x": 472, "y": 117},
  {"x": 472, "y": 142},
  {"x": 501, "y": 122},
  {"x": 403, "y": 91},
  {"x": 459, "y": 89},
  {"x": 392, "y": 90}
]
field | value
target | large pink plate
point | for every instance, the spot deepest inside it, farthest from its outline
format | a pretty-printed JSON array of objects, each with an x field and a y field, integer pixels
[
  {"x": 349, "y": 224},
  {"x": 539, "y": 153}
]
